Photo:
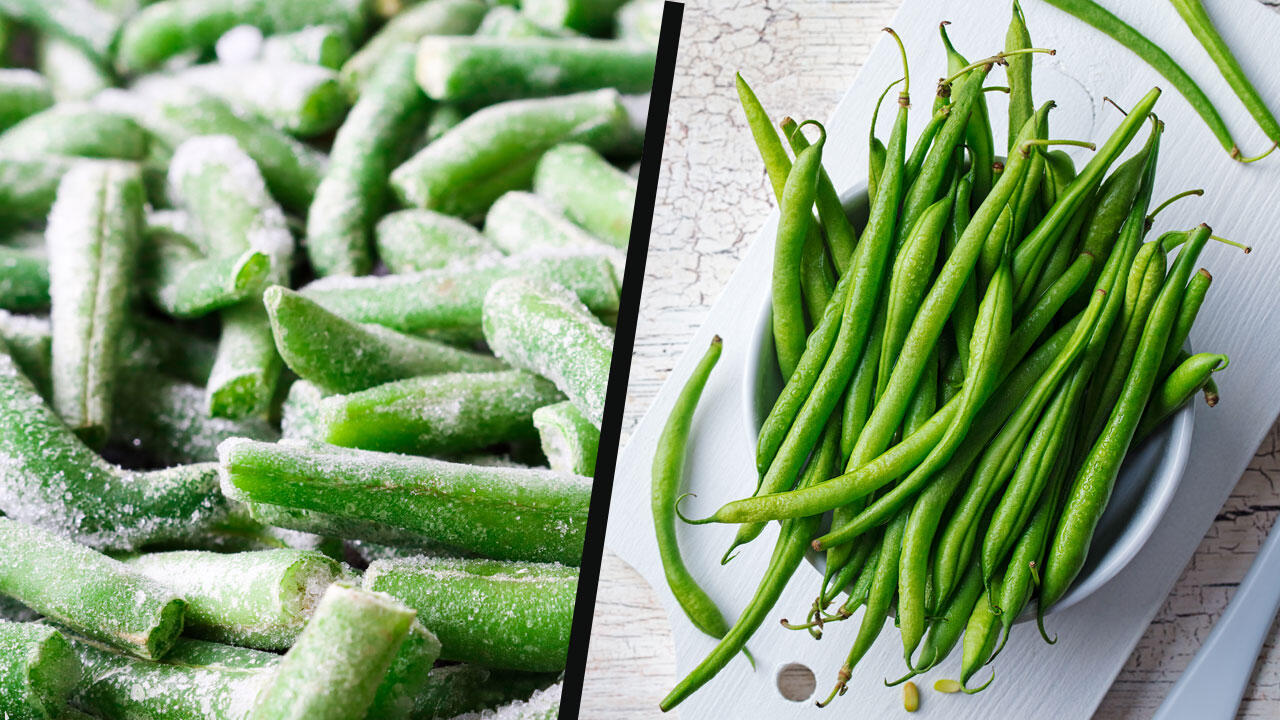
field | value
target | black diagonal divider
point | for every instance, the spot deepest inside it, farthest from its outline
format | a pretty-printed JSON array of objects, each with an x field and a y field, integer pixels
[{"x": 624, "y": 341}]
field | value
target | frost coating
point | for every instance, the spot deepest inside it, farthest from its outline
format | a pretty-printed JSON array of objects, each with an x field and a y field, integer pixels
[
  {"x": 543, "y": 328},
  {"x": 593, "y": 193},
  {"x": 38, "y": 672},
  {"x": 543, "y": 705},
  {"x": 412, "y": 240},
  {"x": 569, "y": 440}
]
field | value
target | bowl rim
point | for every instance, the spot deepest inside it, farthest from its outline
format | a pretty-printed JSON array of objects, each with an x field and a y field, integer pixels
[{"x": 1154, "y": 500}]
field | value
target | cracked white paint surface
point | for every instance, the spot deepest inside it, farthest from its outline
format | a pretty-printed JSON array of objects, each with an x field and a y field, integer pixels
[{"x": 800, "y": 57}]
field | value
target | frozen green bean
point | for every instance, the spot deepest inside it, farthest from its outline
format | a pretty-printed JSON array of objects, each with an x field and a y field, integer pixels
[
  {"x": 433, "y": 17},
  {"x": 412, "y": 240},
  {"x": 196, "y": 681},
  {"x": 29, "y": 184},
  {"x": 39, "y": 672},
  {"x": 343, "y": 356},
  {"x": 291, "y": 169},
  {"x": 640, "y": 21},
  {"x": 30, "y": 343},
  {"x": 503, "y": 21},
  {"x": 593, "y": 17},
  {"x": 496, "y": 149},
  {"x": 543, "y": 328},
  {"x": 531, "y": 632},
  {"x": 521, "y": 222},
  {"x": 171, "y": 27},
  {"x": 484, "y": 70},
  {"x": 324, "y": 45},
  {"x": 409, "y": 674},
  {"x": 335, "y": 668},
  {"x": 452, "y": 299},
  {"x": 452, "y": 690},
  {"x": 87, "y": 591},
  {"x": 183, "y": 282},
  {"x": 504, "y": 513},
  {"x": 80, "y": 22},
  {"x": 569, "y": 440},
  {"x": 49, "y": 478},
  {"x": 24, "y": 280},
  {"x": 77, "y": 129},
  {"x": 594, "y": 194},
  {"x": 72, "y": 73},
  {"x": 301, "y": 99},
  {"x": 93, "y": 236},
  {"x": 437, "y": 414},
  {"x": 251, "y": 599},
  {"x": 353, "y": 192}
]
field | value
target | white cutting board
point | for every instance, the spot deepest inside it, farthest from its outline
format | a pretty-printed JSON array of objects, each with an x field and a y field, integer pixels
[{"x": 1240, "y": 318}]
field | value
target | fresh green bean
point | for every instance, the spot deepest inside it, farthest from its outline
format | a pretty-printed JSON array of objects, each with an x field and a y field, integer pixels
[
  {"x": 668, "y": 467},
  {"x": 971, "y": 104},
  {"x": 1021, "y": 105},
  {"x": 794, "y": 225},
  {"x": 1192, "y": 299},
  {"x": 1092, "y": 486},
  {"x": 840, "y": 236},
  {"x": 1186, "y": 379},
  {"x": 1194, "y": 15}
]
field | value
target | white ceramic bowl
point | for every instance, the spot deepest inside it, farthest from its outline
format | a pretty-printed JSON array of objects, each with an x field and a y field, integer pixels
[{"x": 1142, "y": 493}]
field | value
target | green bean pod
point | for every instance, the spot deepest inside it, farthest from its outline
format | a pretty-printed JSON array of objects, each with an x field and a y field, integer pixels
[
  {"x": 1177, "y": 389},
  {"x": 497, "y": 148},
  {"x": 324, "y": 45},
  {"x": 787, "y": 554},
  {"x": 252, "y": 599},
  {"x": 838, "y": 230},
  {"x": 668, "y": 467},
  {"x": 532, "y": 631},
  {"x": 972, "y": 103},
  {"x": 794, "y": 224},
  {"x": 1092, "y": 486},
  {"x": 78, "y": 130},
  {"x": 435, "y": 17},
  {"x": 452, "y": 299},
  {"x": 521, "y": 222},
  {"x": 504, "y": 513},
  {"x": 946, "y": 630},
  {"x": 1021, "y": 105},
  {"x": 1192, "y": 299},
  {"x": 483, "y": 70},
  {"x": 24, "y": 280},
  {"x": 853, "y": 327}
]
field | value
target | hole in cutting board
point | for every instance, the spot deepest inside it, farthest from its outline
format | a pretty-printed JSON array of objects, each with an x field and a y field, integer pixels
[{"x": 796, "y": 682}]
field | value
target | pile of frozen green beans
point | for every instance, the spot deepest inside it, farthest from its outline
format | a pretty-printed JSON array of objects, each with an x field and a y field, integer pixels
[
  {"x": 964, "y": 377},
  {"x": 305, "y": 326}
]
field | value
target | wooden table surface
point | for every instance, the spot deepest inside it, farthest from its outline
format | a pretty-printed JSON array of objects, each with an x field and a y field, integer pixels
[{"x": 712, "y": 197}]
